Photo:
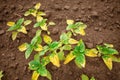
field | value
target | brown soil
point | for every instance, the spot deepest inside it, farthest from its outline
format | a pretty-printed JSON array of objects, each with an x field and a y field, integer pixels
[{"x": 101, "y": 16}]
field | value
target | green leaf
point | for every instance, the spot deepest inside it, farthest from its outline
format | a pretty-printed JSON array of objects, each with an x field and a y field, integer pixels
[
  {"x": 106, "y": 50},
  {"x": 64, "y": 38},
  {"x": 70, "y": 26},
  {"x": 61, "y": 55},
  {"x": 41, "y": 23},
  {"x": 80, "y": 61},
  {"x": 28, "y": 51},
  {"x": 54, "y": 45},
  {"x": 34, "y": 64},
  {"x": 44, "y": 72},
  {"x": 67, "y": 47},
  {"x": 27, "y": 22},
  {"x": 37, "y": 38},
  {"x": 80, "y": 48},
  {"x": 1, "y": 75},
  {"x": 17, "y": 25},
  {"x": 45, "y": 60},
  {"x": 84, "y": 77},
  {"x": 108, "y": 61},
  {"x": 92, "y": 78}
]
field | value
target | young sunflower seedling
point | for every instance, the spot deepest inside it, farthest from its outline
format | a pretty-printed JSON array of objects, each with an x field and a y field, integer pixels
[
  {"x": 17, "y": 27},
  {"x": 76, "y": 28}
]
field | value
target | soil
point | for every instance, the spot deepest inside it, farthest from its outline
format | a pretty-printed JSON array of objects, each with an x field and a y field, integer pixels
[{"x": 101, "y": 16}]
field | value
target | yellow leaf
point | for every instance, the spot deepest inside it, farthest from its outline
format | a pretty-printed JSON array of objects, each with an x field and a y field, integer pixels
[
  {"x": 38, "y": 47},
  {"x": 47, "y": 39},
  {"x": 55, "y": 60},
  {"x": 37, "y": 6},
  {"x": 10, "y": 23},
  {"x": 14, "y": 35},
  {"x": 23, "y": 47},
  {"x": 39, "y": 18},
  {"x": 108, "y": 62},
  {"x": 23, "y": 30},
  {"x": 70, "y": 21},
  {"x": 73, "y": 41},
  {"x": 44, "y": 27},
  {"x": 51, "y": 23},
  {"x": 69, "y": 57},
  {"x": 35, "y": 75},
  {"x": 92, "y": 53},
  {"x": 82, "y": 32},
  {"x": 34, "y": 13}
]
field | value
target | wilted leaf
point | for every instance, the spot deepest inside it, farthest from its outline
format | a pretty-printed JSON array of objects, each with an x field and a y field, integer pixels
[
  {"x": 38, "y": 47},
  {"x": 39, "y": 18},
  {"x": 108, "y": 61},
  {"x": 84, "y": 77},
  {"x": 70, "y": 22},
  {"x": 55, "y": 59},
  {"x": 37, "y": 6},
  {"x": 27, "y": 22},
  {"x": 44, "y": 27},
  {"x": 23, "y": 47},
  {"x": 109, "y": 45},
  {"x": 10, "y": 23},
  {"x": 14, "y": 35},
  {"x": 91, "y": 53},
  {"x": 80, "y": 61},
  {"x": 40, "y": 13},
  {"x": 27, "y": 13},
  {"x": 23, "y": 30},
  {"x": 35, "y": 75},
  {"x": 47, "y": 39},
  {"x": 69, "y": 58},
  {"x": 72, "y": 41},
  {"x": 51, "y": 23}
]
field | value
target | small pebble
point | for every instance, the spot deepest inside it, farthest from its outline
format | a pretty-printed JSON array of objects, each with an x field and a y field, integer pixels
[
  {"x": 75, "y": 8},
  {"x": 94, "y": 14},
  {"x": 67, "y": 7},
  {"x": 54, "y": 68}
]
